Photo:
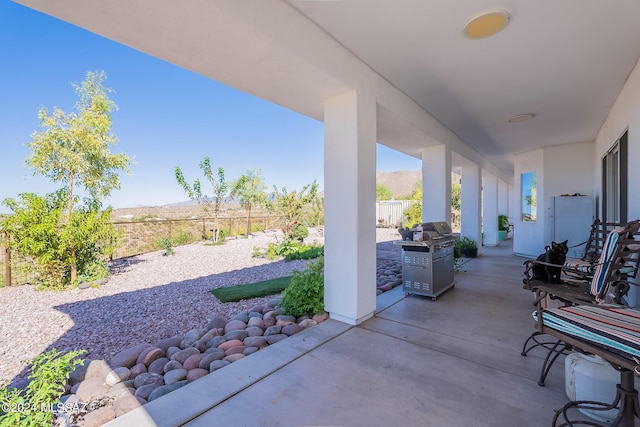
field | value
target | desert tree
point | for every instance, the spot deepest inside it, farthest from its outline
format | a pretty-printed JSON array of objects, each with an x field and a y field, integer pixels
[
  {"x": 75, "y": 149},
  {"x": 383, "y": 192},
  {"x": 291, "y": 205},
  {"x": 413, "y": 213},
  {"x": 316, "y": 211},
  {"x": 219, "y": 186},
  {"x": 250, "y": 190}
]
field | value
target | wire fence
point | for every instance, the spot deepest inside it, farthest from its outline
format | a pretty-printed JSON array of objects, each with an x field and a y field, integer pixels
[
  {"x": 15, "y": 269},
  {"x": 139, "y": 237}
]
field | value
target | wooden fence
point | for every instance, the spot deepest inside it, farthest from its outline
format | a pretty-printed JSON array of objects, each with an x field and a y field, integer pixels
[{"x": 140, "y": 237}]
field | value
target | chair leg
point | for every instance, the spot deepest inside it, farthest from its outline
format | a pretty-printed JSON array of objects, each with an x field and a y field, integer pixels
[
  {"x": 534, "y": 340},
  {"x": 558, "y": 348},
  {"x": 553, "y": 352},
  {"x": 626, "y": 401},
  {"x": 536, "y": 343}
]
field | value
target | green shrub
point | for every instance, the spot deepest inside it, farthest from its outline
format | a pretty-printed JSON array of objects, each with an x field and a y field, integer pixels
[
  {"x": 465, "y": 243},
  {"x": 305, "y": 294},
  {"x": 182, "y": 238},
  {"x": 258, "y": 252},
  {"x": 503, "y": 222},
  {"x": 34, "y": 407},
  {"x": 305, "y": 252},
  {"x": 299, "y": 231},
  {"x": 271, "y": 251},
  {"x": 282, "y": 248},
  {"x": 94, "y": 271},
  {"x": 59, "y": 245},
  {"x": 165, "y": 243}
]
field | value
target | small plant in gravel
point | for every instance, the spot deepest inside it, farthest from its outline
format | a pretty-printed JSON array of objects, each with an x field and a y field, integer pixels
[
  {"x": 282, "y": 248},
  {"x": 182, "y": 238},
  {"x": 36, "y": 404},
  {"x": 258, "y": 252},
  {"x": 167, "y": 245},
  {"x": 305, "y": 294}
]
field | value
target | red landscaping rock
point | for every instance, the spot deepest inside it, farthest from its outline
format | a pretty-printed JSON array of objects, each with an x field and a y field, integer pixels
[
  {"x": 192, "y": 362},
  {"x": 148, "y": 356},
  {"x": 228, "y": 344},
  {"x": 197, "y": 373},
  {"x": 234, "y": 325},
  {"x": 234, "y": 350}
]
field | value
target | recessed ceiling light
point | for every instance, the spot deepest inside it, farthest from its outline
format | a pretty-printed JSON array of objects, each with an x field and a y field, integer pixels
[
  {"x": 521, "y": 117},
  {"x": 486, "y": 23}
]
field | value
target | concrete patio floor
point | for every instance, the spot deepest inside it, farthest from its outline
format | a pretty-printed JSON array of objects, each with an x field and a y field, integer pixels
[{"x": 451, "y": 362}]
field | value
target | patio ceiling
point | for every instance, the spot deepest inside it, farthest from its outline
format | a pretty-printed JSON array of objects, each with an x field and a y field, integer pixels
[{"x": 565, "y": 62}]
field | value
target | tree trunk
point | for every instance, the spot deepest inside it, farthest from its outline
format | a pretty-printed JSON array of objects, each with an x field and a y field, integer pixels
[
  {"x": 72, "y": 251},
  {"x": 248, "y": 220}
]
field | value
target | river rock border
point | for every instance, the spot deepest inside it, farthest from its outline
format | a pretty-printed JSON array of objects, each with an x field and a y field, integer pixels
[
  {"x": 388, "y": 275},
  {"x": 99, "y": 392}
]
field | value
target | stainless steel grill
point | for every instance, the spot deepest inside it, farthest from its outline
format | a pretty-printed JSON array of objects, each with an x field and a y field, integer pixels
[{"x": 427, "y": 259}]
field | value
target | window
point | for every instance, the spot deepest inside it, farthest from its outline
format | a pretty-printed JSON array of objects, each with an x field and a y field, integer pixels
[
  {"x": 529, "y": 197},
  {"x": 614, "y": 182}
]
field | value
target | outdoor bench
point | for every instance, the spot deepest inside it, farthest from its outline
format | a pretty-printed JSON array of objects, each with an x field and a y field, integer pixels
[{"x": 611, "y": 332}]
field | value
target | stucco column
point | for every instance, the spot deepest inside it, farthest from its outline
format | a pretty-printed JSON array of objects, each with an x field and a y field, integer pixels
[
  {"x": 436, "y": 184},
  {"x": 350, "y": 194},
  {"x": 489, "y": 209},
  {"x": 503, "y": 198},
  {"x": 470, "y": 193}
]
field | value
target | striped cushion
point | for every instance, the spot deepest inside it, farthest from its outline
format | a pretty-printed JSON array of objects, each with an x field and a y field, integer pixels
[
  {"x": 578, "y": 265},
  {"x": 606, "y": 257},
  {"x": 614, "y": 328}
]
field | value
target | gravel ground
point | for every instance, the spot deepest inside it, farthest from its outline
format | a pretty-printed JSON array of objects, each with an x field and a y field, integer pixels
[{"x": 147, "y": 298}]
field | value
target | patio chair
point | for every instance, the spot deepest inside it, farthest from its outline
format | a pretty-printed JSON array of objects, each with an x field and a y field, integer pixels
[
  {"x": 613, "y": 333},
  {"x": 592, "y": 249},
  {"x": 608, "y": 284}
]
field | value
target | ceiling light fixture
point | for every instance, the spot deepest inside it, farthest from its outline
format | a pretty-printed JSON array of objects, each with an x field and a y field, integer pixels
[
  {"x": 521, "y": 117},
  {"x": 486, "y": 23}
]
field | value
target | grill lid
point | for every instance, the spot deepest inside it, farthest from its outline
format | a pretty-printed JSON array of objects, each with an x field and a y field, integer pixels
[{"x": 429, "y": 233}]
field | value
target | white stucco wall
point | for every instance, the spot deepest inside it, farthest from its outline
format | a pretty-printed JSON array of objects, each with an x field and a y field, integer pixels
[
  {"x": 528, "y": 238},
  {"x": 567, "y": 170},
  {"x": 489, "y": 209},
  {"x": 561, "y": 169},
  {"x": 625, "y": 114}
]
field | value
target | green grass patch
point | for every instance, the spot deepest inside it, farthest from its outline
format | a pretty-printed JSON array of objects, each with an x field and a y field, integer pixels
[
  {"x": 305, "y": 252},
  {"x": 252, "y": 290}
]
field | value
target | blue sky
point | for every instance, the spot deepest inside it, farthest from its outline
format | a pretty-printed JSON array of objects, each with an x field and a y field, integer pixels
[{"x": 166, "y": 117}]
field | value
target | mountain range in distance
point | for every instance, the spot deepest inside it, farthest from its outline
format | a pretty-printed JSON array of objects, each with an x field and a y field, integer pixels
[{"x": 401, "y": 184}]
